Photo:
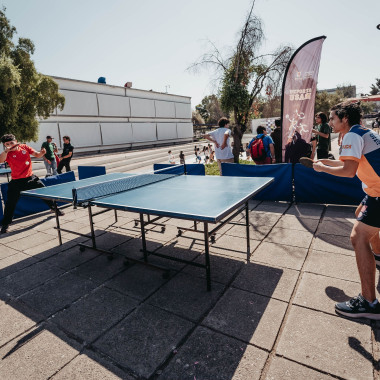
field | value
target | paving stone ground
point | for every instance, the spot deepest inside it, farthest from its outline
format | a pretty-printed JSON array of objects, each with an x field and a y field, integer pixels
[{"x": 66, "y": 314}]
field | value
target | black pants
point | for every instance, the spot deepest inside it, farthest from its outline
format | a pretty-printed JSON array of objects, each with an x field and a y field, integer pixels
[
  {"x": 14, "y": 188},
  {"x": 322, "y": 153},
  {"x": 64, "y": 163}
]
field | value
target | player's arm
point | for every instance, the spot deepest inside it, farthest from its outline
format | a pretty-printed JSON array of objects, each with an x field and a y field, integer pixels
[
  {"x": 39, "y": 154},
  {"x": 334, "y": 163},
  {"x": 325, "y": 135},
  {"x": 271, "y": 148},
  {"x": 68, "y": 155},
  {"x": 208, "y": 137},
  {"x": 225, "y": 138},
  {"x": 348, "y": 169},
  {"x": 3, "y": 156}
]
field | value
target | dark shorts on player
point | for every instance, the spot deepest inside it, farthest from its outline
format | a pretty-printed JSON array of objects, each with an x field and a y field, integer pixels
[{"x": 370, "y": 211}]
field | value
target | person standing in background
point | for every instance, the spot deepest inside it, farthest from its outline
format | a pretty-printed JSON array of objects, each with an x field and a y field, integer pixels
[
  {"x": 66, "y": 155},
  {"x": 277, "y": 140},
  {"x": 181, "y": 158},
  {"x": 49, "y": 158},
  {"x": 171, "y": 158},
  {"x": 267, "y": 144},
  {"x": 322, "y": 131},
  {"x": 221, "y": 138}
]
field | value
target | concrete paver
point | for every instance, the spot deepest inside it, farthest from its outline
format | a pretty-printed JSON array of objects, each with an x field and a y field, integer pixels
[
  {"x": 267, "y": 280},
  {"x": 328, "y": 343},
  {"x": 187, "y": 296},
  {"x": 306, "y": 210},
  {"x": 281, "y": 255},
  {"x": 15, "y": 320},
  {"x": 94, "y": 314},
  {"x": 36, "y": 355},
  {"x": 332, "y": 265},
  {"x": 90, "y": 366},
  {"x": 248, "y": 317},
  {"x": 29, "y": 278},
  {"x": 211, "y": 355},
  {"x": 293, "y": 222},
  {"x": 223, "y": 268},
  {"x": 333, "y": 243},
  {"x": 138, "y": 281},
  {"x": 58, "y": 293},
  {"x": 144, "y": 339},
  {"x": 288, "y": 370},
  {"x": 322, "y": 293},
  {"x": 290, "y": 237}
]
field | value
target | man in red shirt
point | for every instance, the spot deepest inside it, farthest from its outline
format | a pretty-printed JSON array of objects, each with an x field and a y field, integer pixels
[{"x": 18, "y": 158}]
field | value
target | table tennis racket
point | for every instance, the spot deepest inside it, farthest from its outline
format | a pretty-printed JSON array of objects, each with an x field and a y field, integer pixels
[
  {"x": 14, "y": 146},
  {"x": 306, "y": 161}
]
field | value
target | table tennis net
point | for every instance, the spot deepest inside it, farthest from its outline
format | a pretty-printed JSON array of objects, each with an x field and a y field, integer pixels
[{"x": 90, "y": 192}]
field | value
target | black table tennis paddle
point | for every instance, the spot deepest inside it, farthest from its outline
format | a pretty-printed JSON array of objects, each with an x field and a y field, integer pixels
[{"x": 306, "y": 161}]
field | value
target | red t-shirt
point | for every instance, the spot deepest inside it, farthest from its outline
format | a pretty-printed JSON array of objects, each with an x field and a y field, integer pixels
[{"x": 20, "y": 162}]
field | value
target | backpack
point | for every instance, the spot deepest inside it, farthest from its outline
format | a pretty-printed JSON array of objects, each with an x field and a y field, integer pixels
[{"x": 258, "y": 152}]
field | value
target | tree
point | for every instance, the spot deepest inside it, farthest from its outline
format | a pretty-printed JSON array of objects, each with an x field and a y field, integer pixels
[
  {"x": 24, "y": 93},
  {"x": 375, "y": 88},
  {"x": 348, "y": 90},
  {"x": 197, "y": 118},
  {"x": 210, "y": 109},
  {"x": 245, "y": 74},
  {"x": 324, "y": 101}
]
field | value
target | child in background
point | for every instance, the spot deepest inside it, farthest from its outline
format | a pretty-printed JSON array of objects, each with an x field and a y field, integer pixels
[{"x": 171, "y": 158}]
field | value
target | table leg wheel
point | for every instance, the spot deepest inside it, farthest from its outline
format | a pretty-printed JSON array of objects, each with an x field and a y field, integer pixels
[
  {"x": 162, "y": 229},
  {"x": 82, "y": 249},
  {"x": 212, "y": 239},
  {"x": 166, "y": 274},
  {"x": 179, "y": 233},
  {"x": 136, "y": 223}
]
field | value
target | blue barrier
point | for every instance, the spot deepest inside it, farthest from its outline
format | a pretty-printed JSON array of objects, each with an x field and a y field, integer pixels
[
  {"x": 90, "y": 171},
  {"x": 314, "y": 187},
  {"x": 279, "y": 190},
  {"x": 27, "y": 206},
  {"x": 191, "y": 169}
]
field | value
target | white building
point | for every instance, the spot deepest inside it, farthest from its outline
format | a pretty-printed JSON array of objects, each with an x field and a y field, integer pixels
[{"x": 101, "y": 117}]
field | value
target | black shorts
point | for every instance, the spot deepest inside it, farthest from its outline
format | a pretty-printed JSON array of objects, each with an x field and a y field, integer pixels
[{"x": 370, "y": 211}]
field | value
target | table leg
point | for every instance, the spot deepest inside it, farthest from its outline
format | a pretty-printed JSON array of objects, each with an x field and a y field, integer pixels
[
  {"x": 207, "y": 256},
  {"x": 247, "y": 231},
  {"x": 57, "y": 221},
  {"x": 91, "y": 226},
  {"x": 142, "y": 225}
]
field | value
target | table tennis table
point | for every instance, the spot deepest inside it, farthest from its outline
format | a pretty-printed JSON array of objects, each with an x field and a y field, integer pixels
[
  {"x": 202, "y": 199},
  {"x": 6, "y": 171}
]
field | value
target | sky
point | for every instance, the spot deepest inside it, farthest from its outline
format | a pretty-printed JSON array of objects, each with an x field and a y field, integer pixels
[{"x": 152, "y": 43}]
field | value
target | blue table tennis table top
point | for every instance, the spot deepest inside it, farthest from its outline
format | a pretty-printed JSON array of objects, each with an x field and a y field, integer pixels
[
  {"x": 5, "y": 171},
  {"x": 198, "y": 198}
]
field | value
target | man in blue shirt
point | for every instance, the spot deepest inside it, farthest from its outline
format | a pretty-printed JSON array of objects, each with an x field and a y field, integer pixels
[{"x": 269, "y": 157}]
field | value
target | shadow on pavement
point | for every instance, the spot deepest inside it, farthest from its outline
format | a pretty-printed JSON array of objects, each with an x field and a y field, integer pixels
[{"x": 61, "y": 303}]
